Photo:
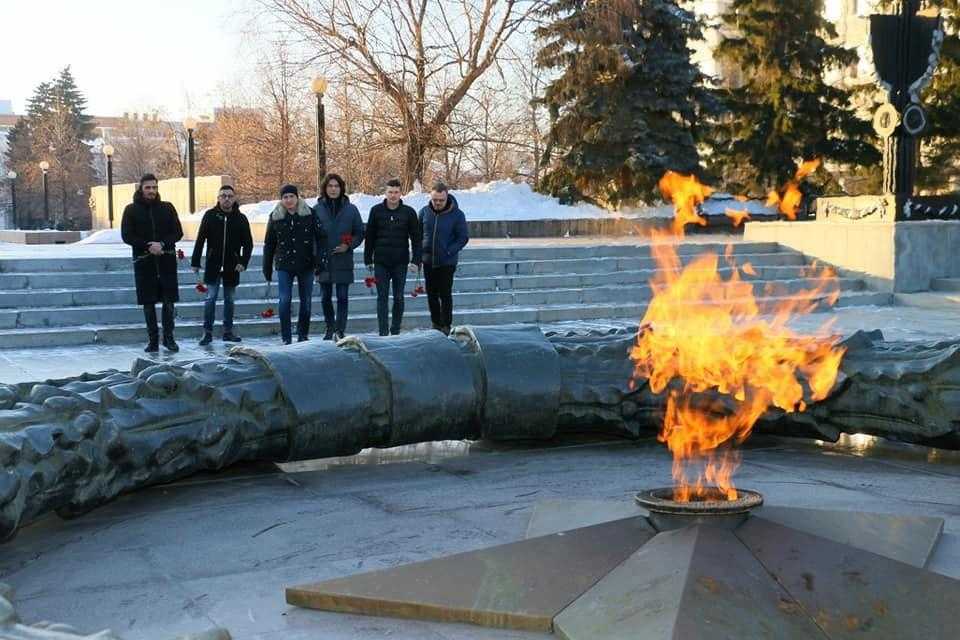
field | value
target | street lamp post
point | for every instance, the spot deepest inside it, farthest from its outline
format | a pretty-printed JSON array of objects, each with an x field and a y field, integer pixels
[
  {"x": 190, "y": 124},
  {"x": 44, "y": 167},
  {"x": 319, "y": 86},
  {"x": 108, "y": 152},
  {"x": 12, "y": 176}
]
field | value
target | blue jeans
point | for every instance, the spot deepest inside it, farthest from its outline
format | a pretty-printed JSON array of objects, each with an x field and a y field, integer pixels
[
  {"x": 210, "y": 306},
  {"x": 304, "y": 292},
  {"x": 387, "y": 276},
  {"x": 338, "y": 322}
]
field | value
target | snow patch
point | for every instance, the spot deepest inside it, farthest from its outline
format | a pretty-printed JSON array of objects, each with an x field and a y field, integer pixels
[
  {"x": 491, "y": 201},
  {"x": 104, "y": 236}
]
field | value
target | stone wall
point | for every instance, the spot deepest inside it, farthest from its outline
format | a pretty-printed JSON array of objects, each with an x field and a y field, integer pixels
[
  {"x": 902, "y": 257},
  {"x": 175, "y": 190}
]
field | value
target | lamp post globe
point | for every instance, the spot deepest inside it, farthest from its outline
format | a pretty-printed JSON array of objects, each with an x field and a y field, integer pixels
[{"x": 319, "y": 85}]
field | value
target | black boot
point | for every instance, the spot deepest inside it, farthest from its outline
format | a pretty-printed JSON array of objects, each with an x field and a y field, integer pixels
[
  {"x": 170, "y": 344},
  {"x": 167, "y": 313},
  {"x": 206, "y": 339},
  {"x": 329, "y": 334},
  {"x": 153, "y": 332},
  {"x": 231, "y": 337}
]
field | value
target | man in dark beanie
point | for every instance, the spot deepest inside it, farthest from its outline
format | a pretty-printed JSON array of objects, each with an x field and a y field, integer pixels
[
  {"x": 293, "y": 245},
  {"x": 226, "y": 232},
  {"x": 151, "y": 227},
  {"x": 392, "y": 239},
  {"x": 445, "y": 234}
]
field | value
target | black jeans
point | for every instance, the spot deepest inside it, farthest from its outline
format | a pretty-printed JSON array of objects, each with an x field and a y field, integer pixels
[
  {"x": 387, "y": 276},
  {"x": 439, "y": 285},
  {"x": 338, "y": 322},
  {"x": 150, "y": 315}
]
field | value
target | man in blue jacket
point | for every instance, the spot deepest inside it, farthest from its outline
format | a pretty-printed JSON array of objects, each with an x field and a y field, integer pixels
[{"x": 445, "y": 234}]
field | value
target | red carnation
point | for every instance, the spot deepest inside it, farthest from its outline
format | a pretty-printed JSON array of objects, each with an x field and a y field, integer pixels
[
  {"x": 346, "y": 239},
  {"x": 267, "y": 313},
  {"x": 180, "y": 254},
  {"x": 419, "y": 289},
  {"x": 201, "y": 288},
  {"x": 370, "y": 281}
]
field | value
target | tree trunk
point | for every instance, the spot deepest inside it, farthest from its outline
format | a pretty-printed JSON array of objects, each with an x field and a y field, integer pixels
[{"x": 413, "y": 163}]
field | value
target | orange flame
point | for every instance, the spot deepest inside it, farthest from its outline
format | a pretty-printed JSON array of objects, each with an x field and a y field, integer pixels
[
  {"x": 788, "y": 198},
  {"x": 686, "y": 193},
  {"x": 706, "y": 342},
  {"x": 737, "y": 216}
]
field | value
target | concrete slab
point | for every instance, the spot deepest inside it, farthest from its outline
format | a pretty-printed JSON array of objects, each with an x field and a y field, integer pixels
[
  {"x": 908, "y": 539},
  {"x": 697, "y": 582},
  {"x": 852, "y": 593},
  {"x": 553, "y": 516},
  {"x": 522, "y": 585}
]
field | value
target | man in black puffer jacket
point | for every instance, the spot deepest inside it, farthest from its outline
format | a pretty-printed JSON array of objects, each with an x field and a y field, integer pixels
[
  {"x": 392, "y": 230},
  {"x": 226, "y": 232},
  {"x": 293, "y": 244}
]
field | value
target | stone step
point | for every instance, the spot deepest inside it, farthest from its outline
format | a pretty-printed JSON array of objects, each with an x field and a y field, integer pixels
[
  {"x": 254, "y": 288},
  {"x": 475, "y": 254},
  {"x": 945, "y": 284},
  {"x": 361, "y": 323},
  {"x": 114, "y": 279},
  {"x": 191, "y": 308}
]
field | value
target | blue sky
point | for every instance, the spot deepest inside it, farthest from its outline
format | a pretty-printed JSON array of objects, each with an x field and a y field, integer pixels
[{"x": 127, "y": 55}]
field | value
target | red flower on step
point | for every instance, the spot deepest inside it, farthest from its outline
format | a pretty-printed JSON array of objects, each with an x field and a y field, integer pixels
[
  {"x": 419, "y": 289},
  {"x": 267, "y": 313},
  {"x": 346, "y": 239},
  {"x": 201, "y": 288},
  {"x": 180, "y": 254},
  {"x": 370, "y": 281}
]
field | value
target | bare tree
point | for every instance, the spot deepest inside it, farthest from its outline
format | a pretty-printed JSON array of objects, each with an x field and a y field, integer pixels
[
  {"x": 264, "y": 139},
  {"x": 423, "y": 55},
  {"x": 146, "y": 144}
]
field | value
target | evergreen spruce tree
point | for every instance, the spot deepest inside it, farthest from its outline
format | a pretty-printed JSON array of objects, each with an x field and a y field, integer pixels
[
  {"x": 940, "y": 168},
  {"x": 784, "y": 111},
  {"x": 54, "y": 129},
  {"x": 628, "y": 104}
]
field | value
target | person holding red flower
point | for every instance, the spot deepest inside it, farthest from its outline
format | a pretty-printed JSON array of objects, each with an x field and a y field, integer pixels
[
  {"x": 445, "y": 234},
  {"x": 342, "y": 228},
  {"x": 292, "y": 245},
  {"x": 392, "y": 240},
  {"x": 151, "y": 227},
  {"x": 226, "y": 233}
]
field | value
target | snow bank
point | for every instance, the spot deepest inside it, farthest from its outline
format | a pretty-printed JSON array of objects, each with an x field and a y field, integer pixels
[
  {"x": 505, "y": 200},
  {"x": 104, "y": 236}
]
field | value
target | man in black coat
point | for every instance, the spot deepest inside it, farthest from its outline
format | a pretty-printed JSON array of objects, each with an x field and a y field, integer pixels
[
  {"x": 392, "y": 230},
  {"x": 151, "y": 227},
  {"x": 226, "y": 232}
]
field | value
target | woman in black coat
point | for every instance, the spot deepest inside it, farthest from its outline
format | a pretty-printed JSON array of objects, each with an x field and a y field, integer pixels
[
  {"x": 343, "y": 229},
  {"x": 151, "y": 227}
]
